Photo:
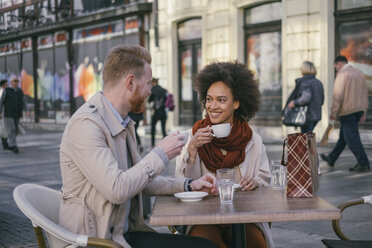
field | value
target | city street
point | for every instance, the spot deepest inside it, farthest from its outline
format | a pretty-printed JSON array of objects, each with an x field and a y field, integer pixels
[
  {"x": 37, "y": 162},
  {"x": 198, "y": 57}
]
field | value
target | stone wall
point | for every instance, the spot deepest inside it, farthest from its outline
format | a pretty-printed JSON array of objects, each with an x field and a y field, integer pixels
[{"x": 307, "y": 34}]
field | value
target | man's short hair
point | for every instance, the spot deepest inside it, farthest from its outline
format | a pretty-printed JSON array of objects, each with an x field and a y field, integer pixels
[
  {"x": 340, "y": 58},
  {"x": 3, "y": 82},
  {"x": 122, "y": 60},
  {"x": 156, "y": 80}
]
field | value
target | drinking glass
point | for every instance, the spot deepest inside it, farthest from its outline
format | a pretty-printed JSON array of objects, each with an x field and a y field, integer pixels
[
  {"x": 225, "y": 182},
  {"x": 278, "y": 175}
]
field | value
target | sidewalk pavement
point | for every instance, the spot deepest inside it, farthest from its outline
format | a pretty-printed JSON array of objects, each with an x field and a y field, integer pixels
[{"x": 38, "y": 162}]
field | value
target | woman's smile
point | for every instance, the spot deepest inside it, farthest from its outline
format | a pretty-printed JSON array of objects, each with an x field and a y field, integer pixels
[{"x": 214, "y": 114}]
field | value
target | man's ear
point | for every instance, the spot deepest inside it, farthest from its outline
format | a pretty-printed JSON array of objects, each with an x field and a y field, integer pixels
[{"x": 129, "y": 82}]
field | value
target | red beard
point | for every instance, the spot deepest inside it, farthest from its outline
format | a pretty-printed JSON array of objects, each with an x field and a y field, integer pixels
[{"x": 137, "y": 102}]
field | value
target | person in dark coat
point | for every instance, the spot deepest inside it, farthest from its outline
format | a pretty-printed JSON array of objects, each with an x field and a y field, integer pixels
[
  {"x": 14, "y": 104},
  {"x": 312, "y": 95},
  {"x": 137, "y": 117},
  {"x": 158, "y": 97},
  {"x": 3, "y": 133}
]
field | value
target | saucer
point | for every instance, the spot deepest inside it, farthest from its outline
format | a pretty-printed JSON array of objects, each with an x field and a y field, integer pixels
[
  {"x": 236, "y": 186},
  {"x": 192, "y": 196}
]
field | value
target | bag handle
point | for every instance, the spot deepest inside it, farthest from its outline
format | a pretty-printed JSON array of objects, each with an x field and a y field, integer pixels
[
  {"x": 310, "y": 136},
  {"x": 282, "y": 162}
]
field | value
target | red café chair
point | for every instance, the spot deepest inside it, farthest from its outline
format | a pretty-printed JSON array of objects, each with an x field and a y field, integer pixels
[{"x": 345, "y": 242}]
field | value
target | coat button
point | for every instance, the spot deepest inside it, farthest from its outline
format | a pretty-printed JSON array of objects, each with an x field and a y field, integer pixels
[{"x": 92, "y": 106}]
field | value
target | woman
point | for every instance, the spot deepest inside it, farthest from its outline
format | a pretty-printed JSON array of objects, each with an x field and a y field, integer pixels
[
  {"x": 311, "y": 94},
  {"x": 229, "y": 95}
]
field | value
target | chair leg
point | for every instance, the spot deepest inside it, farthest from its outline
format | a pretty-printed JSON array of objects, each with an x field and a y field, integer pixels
[{"x": 39, "y": 237}]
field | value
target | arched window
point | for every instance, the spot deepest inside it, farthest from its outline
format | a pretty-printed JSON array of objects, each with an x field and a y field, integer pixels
[
  {"x": 264, "y": 57},
  {"x": 189, "y": 60}
]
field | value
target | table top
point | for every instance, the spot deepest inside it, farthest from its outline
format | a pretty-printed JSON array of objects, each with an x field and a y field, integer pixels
[{"x": 260, "y": 205}]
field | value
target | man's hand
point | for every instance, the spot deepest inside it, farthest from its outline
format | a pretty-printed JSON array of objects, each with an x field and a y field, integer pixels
[
  {"x": 291, "y": 104},
  {"x": 172, "y": 145},
  {"x": 206, "y": 183},
  {"x": 362, "y": 119},
  {"x": 248, "y": 183},
  {"x": 332, "y": 118}
]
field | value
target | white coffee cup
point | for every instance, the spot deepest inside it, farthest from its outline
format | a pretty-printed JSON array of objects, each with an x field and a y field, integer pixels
[
  {"x": 184, "y": 134},
  {"x": 221, "y": 130}
]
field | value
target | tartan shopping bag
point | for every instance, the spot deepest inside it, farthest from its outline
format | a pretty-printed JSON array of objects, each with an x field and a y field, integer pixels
[{"x": 302, "y": 165}]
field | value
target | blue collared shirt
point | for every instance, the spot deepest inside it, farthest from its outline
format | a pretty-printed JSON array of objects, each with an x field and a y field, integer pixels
[{"x": 123, "y": 121}]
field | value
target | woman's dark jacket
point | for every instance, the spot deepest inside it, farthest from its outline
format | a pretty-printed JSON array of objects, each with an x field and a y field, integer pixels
[{"x": 312, "y": 95}]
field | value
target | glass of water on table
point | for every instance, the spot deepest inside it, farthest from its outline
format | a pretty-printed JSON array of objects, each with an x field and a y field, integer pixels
[
  {"x": 225, "y": 182},
  {"x": 279, "y": 175}
]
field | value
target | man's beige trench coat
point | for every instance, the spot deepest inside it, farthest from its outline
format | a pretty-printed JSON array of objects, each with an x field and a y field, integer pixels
[{"x": 97, "y": 183}]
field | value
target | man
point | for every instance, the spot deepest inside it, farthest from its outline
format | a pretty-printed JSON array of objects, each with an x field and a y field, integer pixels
[
  {"x": 349, "y": 102},
  {"x": 102, "y": 173},
  {"x": 158, "y": 96},
  {"x": 14, "y": 103},
  {"x": 4, "y": 141}
]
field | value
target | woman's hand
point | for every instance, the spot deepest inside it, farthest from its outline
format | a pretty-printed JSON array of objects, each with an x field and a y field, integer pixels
[
  {"x": 248, "y": 183},
  {"x": 291, "y": 104},
  {"x": 206, "y": 183},
  {"x": 201, "y": 137}
]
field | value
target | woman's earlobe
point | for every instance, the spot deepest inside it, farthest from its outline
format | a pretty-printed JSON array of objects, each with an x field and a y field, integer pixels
[{"x": 236, "y": 105}]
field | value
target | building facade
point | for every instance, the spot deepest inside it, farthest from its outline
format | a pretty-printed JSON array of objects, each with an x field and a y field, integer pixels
[
  {"x": 272, "y": 38},
  {"x": 57, "y": 48}
]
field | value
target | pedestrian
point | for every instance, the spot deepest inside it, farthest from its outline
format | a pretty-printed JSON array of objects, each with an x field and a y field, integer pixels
[
  {"x": 349, "y": 102},
  {"x": 14, "y": 104},
  {"x": 103, "y": 176},
  {"x": 311, "y": 94},
  {"x": 229, "y": 95},
  {"x": 137, "y": 117},
  {"x": 158, "y": 97},
  {"x": 3, "y": 133}
]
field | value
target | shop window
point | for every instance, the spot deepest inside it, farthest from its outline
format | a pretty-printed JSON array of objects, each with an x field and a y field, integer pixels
[
  {"x": 264, "y": 57},
  {"x": 353, "y": 4},
  {"x": 353, "y": 36},
  {"x": 189, "y": 47}
]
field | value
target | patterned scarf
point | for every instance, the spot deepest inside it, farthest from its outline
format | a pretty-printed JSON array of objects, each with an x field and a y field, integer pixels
[{"x": 234, "y": 144}]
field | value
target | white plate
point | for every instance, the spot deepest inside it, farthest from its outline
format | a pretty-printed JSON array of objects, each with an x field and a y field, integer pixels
[
  {"x": 193, "y": 196},
  {"x": 236, "y": 186}
]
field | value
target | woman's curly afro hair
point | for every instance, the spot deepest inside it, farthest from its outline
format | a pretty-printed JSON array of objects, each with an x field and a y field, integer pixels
[{"x": 238, "y": 78}]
